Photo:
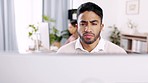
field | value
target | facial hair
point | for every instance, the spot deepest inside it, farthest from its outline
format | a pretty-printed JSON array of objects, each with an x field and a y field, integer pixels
[{"x": 91, "y": 41}]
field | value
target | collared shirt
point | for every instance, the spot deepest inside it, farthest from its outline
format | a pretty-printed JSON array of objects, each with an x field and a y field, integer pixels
[
  {"x": 98, "y": 48},
  {"x": 103, "y": 46}
]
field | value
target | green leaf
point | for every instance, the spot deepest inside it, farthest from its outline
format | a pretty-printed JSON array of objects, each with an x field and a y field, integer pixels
[
  {"x": 30, "y": 34},
  {"x": 47, "y": 19}
]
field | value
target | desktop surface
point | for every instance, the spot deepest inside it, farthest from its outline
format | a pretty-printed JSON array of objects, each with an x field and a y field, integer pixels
[{"x": 70, "y": 68}]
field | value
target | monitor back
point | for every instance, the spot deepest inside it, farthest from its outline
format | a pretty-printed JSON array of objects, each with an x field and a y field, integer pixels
[{"x": 56, "y": 68}]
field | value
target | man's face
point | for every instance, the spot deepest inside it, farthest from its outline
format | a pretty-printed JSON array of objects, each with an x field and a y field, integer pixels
[{"x": 89, "y": 27}]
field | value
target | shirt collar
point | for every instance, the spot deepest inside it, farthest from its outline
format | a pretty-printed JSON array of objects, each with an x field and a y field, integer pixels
[{"x": 98, "y": 48}]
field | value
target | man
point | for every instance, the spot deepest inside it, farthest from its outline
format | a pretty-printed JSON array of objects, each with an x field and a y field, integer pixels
[{"x": 89, "y": 19}]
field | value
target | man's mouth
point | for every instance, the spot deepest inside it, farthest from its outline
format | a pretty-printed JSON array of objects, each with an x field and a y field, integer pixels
[{"x": 88, "y": 35}]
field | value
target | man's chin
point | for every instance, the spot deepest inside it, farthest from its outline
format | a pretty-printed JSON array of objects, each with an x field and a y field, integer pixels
[{"x": 88, "y": 41}]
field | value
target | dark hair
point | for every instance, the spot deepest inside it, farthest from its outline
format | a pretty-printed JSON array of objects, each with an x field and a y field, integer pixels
[
  {"x": 73, "y": 22},
  {"x": 89, "y": 6}
]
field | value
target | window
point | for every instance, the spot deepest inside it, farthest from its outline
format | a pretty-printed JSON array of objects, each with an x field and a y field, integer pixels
[{"x": 26, "y": 12}]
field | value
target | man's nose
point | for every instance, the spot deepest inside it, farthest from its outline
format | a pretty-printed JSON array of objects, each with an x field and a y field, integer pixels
[{"x": 88, "y": 28}]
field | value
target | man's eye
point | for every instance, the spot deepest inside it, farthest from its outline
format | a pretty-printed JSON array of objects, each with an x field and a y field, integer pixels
[
  {"x": 94, "y": 23},
  {"x": 83, "y": 24}
]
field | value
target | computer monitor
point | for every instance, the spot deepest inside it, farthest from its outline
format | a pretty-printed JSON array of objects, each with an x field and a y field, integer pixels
[
  {"x": 44, "y": 36},
  {"x": 71, "y": 68}
]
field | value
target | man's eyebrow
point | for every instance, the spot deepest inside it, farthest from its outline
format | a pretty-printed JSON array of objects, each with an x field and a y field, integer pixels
[
  {"x": 83, "y": 21},
  {"x": 89, "y": 21},
  {"x": 93, "y": 21}
]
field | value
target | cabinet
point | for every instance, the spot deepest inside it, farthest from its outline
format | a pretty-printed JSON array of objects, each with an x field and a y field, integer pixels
[{"x": 134, "y": 43}]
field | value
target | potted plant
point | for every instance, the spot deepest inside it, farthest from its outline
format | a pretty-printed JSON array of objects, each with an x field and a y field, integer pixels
[
  {"x": 33, "y": 35},
  {"x": 55, "y": 35},
  {"x": 55, "y": 38},
  {"x": 115, "y": 35},
  {"x": 132, "y": 27}
]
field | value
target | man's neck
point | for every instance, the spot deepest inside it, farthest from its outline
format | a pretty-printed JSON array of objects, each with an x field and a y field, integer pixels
[{"x": 90, "y": 47}]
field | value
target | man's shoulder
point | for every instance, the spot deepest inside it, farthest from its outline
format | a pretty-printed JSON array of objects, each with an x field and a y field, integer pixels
[
  {"x": 111, "y": 44},
  {"x": 111, "y": 47},
  {"x": 67, "y": 48}
]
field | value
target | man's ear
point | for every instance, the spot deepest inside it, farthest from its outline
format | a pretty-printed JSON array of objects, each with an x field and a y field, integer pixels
[{"x": 102, "y": 25}]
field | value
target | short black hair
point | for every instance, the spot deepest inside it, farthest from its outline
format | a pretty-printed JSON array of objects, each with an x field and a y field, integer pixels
[
  {"x": 73, "y": 22},
  {"x": 89, "y": 6}
]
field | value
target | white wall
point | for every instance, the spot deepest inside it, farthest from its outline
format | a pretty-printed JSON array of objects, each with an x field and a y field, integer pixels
[
  {"x": 140, "y": 19},
  {"x": 115, "y": 13}
]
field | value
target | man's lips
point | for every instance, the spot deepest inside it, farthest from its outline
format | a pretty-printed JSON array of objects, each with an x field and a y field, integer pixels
[{"x": 88, "y": 35}]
